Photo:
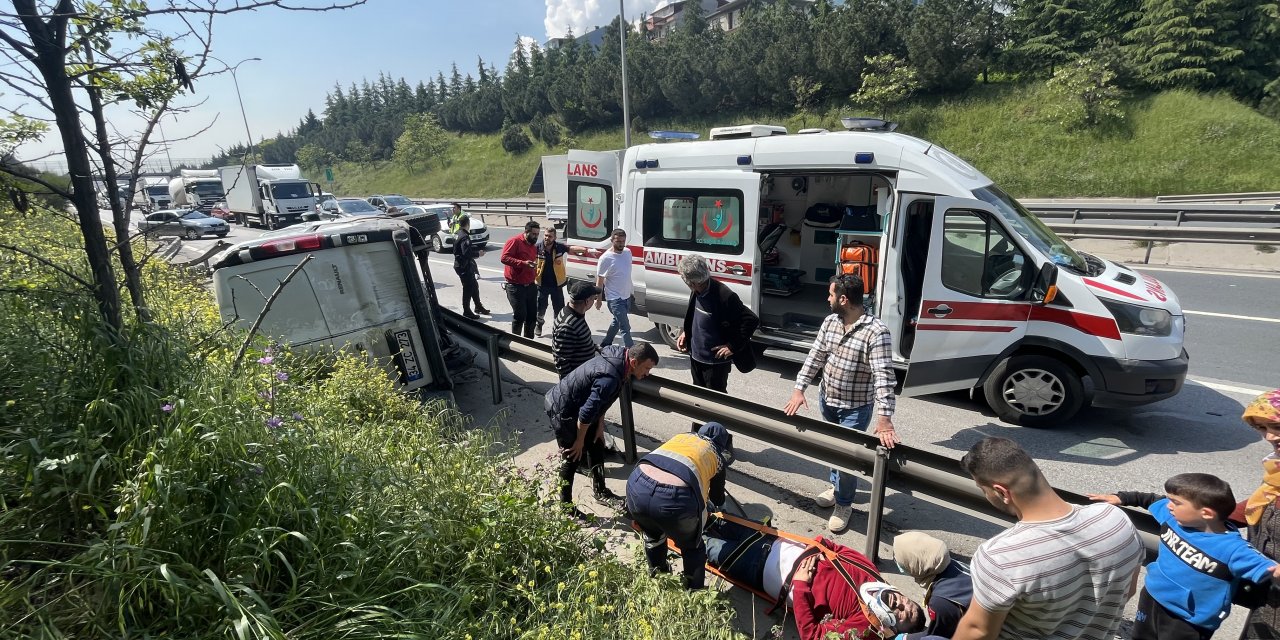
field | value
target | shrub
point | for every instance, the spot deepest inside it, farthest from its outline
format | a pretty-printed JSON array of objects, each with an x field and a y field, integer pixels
[
  {"x": 514, "y": 139},
  {"x": 1086, "y": 94},
  {"x": 154, "y": 491}
]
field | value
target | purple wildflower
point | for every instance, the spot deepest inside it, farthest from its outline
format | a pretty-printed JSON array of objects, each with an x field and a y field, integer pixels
[
  {"x": 266, "y": 395},
  {"x": 266, "y": 360},
  {"x": 282, "y": 376},
  {"x": 167, "y": 407},
  {"x": 297, "y": 416},
  {"x": 274, "y": 421}
]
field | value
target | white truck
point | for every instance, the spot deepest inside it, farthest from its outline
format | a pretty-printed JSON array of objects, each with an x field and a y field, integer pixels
[
  {"x": 552, "y": 177},
  {"x": 269, "y": 195},
  {"x": 152, "y": 193},
  {"x": 196, "y": 188}
]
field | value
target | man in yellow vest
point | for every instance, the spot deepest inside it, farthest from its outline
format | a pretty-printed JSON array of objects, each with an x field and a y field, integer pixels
[
  {"x": 550, "y": 276},
  {"x": 668, "y": 492}
]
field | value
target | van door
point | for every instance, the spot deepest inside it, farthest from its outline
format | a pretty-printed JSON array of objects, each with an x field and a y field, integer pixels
[
  {"x": 592, "y": 186},
  {"x": 975, "y": 297},
  {"x": 712, "y": 213}
]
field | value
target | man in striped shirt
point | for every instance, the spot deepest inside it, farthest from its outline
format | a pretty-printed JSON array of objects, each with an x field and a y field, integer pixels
[
  {"x": 1063, "y": 571},
  {"x": 853, "y": 352},
  {"x": 571, "y": 341}
]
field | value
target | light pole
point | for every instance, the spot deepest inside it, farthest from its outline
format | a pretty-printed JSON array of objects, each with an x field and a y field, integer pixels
[
  {"x": 626, "y": 107},
  {"x": 239, "y": 98}
]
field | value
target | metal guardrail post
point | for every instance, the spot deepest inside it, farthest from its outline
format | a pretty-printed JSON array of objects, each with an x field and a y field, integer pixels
[
  {"x": 1177, "y": 221},
  {"x": 628, "y": 423},
  {"x": 1146, "y": 259},
  {"x": 495, "y": 369},
  {"x": 1075, "y": 216},
  {"x": 875, "y": 511}
]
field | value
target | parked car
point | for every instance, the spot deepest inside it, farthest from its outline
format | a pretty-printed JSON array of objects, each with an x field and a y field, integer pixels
[
  {"x": 188, "y": 223},
  {"x": 347, "y": 208},
  {"x": 221, "y": 211},
  {"x": 425, "y": 222},
  {"x": 390, "y": 203},
  {"x": 443, "y": 239}
]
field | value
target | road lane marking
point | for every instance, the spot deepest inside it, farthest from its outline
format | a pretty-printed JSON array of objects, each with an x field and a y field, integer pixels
[
  {"x": 449, "y": 263},
  {"x": 1232, "y": 316},
  {"x": 1202, "y": 272},
  {"x": 1228, "y": 388}
]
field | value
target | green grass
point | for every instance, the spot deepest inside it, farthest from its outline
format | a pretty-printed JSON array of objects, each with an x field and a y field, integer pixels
[
  {"x": 1172, "y": 142},
  {"x": 155, "y": 491}
]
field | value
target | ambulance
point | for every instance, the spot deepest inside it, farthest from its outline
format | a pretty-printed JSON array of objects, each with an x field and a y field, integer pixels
[{"x": 978, "y": 293}]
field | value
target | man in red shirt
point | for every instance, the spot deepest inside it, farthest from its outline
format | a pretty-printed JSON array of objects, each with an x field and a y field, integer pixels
[{"x": 520, "y": 257}]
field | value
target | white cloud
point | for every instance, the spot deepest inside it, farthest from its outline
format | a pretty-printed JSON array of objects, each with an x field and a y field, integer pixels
[{"x": 584, "y": 15}]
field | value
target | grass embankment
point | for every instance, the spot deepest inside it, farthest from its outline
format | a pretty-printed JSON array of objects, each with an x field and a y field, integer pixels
[
  {"x": 1172, "y": 142},
  {"x": 152, "y": 490}
]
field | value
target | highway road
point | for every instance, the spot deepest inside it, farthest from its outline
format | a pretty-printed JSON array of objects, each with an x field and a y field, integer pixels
[{"x": 1233, "y": 325}]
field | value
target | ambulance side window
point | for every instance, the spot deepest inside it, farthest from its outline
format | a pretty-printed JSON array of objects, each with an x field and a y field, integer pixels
[
  {"x": 590, "y": 211},
  {"x": 702, "y": 220},
  {"x": 979, "y": 259}
]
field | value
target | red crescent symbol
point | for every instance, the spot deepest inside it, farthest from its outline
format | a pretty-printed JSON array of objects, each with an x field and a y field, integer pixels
[
  {"x": 717, "y": 235},
  {"x": 583, "y": 217}
]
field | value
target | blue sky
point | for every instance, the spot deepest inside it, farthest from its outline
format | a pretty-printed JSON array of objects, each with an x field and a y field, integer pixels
[{"x": 304, "y": 54}]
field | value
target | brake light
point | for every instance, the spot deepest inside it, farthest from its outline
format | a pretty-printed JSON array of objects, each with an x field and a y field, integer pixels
[{"x": 292, "y": 245}]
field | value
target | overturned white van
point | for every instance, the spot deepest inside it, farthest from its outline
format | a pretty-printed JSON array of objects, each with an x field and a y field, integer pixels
[
  {"x": 363, "y": 290},
  {"x": 978, "y": 292}
]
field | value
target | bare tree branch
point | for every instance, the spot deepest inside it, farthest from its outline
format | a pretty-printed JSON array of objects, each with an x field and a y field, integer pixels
[
  {"x": 266, "y": 307},
  {"x": 81, "y": 281}
]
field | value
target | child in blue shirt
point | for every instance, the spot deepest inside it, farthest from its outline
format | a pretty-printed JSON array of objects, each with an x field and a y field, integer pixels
[{"x": 1201, "y": 560}]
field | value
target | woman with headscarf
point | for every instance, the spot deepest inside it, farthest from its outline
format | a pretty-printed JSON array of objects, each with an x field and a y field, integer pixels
[
  {"x": 1261, "y": 513},
  {"x": 947, "y": 583}
]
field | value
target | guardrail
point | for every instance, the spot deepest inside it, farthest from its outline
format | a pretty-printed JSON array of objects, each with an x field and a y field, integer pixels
[
  {"x": 1221, "y": 197},
  {"x": 904, "y": 466},
  {"x": 1219, "y": 214}
]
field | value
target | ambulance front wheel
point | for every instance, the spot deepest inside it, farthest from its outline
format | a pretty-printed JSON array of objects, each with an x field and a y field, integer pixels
[
  {"x": 1034, "y": 391},
  {"x": 670, "y": 333}
]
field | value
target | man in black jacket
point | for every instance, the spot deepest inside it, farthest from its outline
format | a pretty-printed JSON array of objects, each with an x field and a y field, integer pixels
[
  {"x": 576, "y": 407},
  {"x": 717, "y": 327},
  {"x": 464, "y": 264}
]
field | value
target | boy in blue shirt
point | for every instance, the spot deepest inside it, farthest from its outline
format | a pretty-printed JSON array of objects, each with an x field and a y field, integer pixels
[{"x": 1201, "y": 560}]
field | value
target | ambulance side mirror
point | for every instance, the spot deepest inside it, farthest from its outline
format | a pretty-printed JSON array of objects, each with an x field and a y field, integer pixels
[{"x": 1045, "y": 288}]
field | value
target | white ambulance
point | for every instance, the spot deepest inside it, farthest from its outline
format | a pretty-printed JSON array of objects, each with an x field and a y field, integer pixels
[{"x": 977, "y": 292}]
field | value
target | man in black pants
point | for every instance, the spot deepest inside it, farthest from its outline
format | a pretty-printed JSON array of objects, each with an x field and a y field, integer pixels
[
  {"x": 717, "y": 327},
  {"x": 576, "y": 407},
  {"x": 520, "y": 262},
  {"x": 464, "y": 264}
]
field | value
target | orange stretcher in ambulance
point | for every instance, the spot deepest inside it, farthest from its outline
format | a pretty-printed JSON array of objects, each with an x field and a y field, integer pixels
[{"x": 978, "y": 293}]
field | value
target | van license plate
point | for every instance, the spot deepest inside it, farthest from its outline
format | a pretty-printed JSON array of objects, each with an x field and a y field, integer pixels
[{"x": 408, "y": 356}]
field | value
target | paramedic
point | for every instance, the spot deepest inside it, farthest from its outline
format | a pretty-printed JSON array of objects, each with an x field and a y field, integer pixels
[
  {"x": 667, "y": 495},
  {"x": 613, "y": 276},
  {"x": 520, "y": 260},
  {"x": 853, "y": 353},
  {"x": 571, "y": 341},
  {"x": 717, "y": 327},
  {"x": 550, "y": 276},
  {"x": 576, "y": 407},
  {"x": 464, "y": 264},
  {"x": 823, "y": 601}
]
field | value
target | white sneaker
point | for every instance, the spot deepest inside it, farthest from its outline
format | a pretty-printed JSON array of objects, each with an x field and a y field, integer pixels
[
  {"x": 826, "y": 498},
  {"x": 840, "y": 518}
]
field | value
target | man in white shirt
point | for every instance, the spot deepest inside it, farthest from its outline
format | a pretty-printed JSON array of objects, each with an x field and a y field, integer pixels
[{"x": 613, "y": 277}]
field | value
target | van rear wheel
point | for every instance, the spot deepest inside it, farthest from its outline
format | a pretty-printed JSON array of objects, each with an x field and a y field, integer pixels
[
  {"x": 1034, "y": 391},
  {"x": 670, "y": 333}
]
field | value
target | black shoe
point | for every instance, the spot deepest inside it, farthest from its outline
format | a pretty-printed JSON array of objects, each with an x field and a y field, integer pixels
[
  {"x": 537, "y": 332},
  {"x": 483, "y": 311},
  {"x": 470, "y": 316}
]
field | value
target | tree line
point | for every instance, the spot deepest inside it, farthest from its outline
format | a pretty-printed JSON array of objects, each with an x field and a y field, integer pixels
[{"x": 875, "y": 52}]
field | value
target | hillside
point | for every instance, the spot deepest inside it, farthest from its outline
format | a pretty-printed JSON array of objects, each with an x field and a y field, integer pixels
[{"x": 1172, "y": 142}]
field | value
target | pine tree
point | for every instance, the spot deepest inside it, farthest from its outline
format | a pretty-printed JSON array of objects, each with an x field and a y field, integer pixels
[
  {"x": 1050, "y": 32},
  {"x": 1185, "y": 43},
  {"x": 943, "y": 44}
]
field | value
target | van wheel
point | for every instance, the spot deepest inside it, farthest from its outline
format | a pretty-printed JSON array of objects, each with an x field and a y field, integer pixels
[
  {"x": 1034, "y": 391},
  {"x": 670, "y": 333},
  {"x": 436, "y": 245},
  {"x": 271, "y": 222}
]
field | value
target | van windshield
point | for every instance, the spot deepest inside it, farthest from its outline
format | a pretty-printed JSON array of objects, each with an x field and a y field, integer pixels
[
  {"x": 1035, "y": 231},
  {"x": 290, "y": 190}
]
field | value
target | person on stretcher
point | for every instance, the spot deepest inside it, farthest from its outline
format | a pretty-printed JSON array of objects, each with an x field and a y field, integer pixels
[{"x": 822, "y": 598}]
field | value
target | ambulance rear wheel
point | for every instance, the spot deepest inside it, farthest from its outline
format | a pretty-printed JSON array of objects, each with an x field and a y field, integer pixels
[
  {"x": 1034, "y": 391},
  {"x": 670, "y": 333}
]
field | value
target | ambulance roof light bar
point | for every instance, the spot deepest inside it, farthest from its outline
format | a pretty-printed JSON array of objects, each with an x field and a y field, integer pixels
[
  {"x": 747, "y": 131},
  {"x": 674, "y": 136},
  {"x": 868, "y": 124}
]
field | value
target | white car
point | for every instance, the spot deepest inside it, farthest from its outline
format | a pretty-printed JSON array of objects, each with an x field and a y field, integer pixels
[{"x": 443, "y": 239}]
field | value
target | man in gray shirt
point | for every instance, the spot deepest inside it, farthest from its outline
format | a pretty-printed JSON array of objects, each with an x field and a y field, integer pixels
[{"x": 1063, "y": 571}]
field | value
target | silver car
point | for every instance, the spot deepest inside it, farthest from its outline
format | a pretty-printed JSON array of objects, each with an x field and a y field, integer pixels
[
  {"x": 347, "y": 208},
  {"x": 188, "y": 223},
  {"x": 443, "y": 240}
]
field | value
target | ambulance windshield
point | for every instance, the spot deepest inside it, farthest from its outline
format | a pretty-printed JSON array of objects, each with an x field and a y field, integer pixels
[{"x": 1032, "y": 228}]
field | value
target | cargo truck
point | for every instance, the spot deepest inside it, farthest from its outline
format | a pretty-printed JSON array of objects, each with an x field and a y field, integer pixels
[
  {"x": 268, "y": 195},
  {"x": 196, "y": 189},
  {"x": 152, "y": 193}
]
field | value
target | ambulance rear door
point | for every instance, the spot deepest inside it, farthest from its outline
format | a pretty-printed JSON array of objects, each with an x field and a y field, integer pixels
[{"x": 593, "y": 199}]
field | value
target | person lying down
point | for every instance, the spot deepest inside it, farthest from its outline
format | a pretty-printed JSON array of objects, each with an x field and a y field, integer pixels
[{"x": 823, "y": 599}]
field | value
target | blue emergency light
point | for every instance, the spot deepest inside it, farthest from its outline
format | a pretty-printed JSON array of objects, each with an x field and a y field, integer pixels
[
  {"x": 864, "y": 157},
  {"x": 744, "y": 161},
  {"x": 674, "y": 135}
]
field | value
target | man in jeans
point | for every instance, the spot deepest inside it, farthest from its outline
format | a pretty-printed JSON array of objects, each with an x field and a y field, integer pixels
[
  {"x": 613, "y": 277},
  {"x": 854, "y": 354},
  {"x": 550, "y": 277},
  {"x": 520, "y": 260}
]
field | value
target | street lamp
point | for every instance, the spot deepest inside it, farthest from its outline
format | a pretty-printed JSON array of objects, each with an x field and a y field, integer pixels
[
  {"x": 239, "y": 98},
  {"x": 626, "y": 107}
]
